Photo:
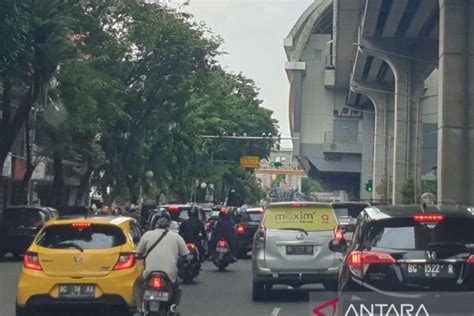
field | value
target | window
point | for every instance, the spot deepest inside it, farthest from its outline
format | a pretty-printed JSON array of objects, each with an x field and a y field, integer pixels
[
  {"x": 406, "y": 234},
  {"x": 94, "y": 237},
  {"x": 22, "y": 217}
]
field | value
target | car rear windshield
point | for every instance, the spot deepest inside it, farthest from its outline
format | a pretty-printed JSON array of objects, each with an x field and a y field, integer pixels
[
  {"x": 310, "y": 218},
  {"x": 254, "y": 217},
  {"x": 94, "y": 237},
  {"x": 408, "y": 235},
  {"x": 24, "y": 217}
]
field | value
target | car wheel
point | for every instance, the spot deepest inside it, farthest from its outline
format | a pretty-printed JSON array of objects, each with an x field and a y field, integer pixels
[
  {"x": 258, "y": 291},
  {"x": 330, "y": 286}
]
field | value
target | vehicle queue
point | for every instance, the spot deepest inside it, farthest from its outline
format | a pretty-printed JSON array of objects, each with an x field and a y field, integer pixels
[{"x": 91, "y": 259}]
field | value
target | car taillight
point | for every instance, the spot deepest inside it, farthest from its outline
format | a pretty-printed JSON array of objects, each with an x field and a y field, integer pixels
[
  {"x": 338, "y": 233},
  {"x": 299, "y": 205},
  {"x": 125, "y": 261},
  {"x": 221, "y": 244},
  {"x": 428, "y": 218},
  {"x": 261, "y": 232},
  {"x": 31, "y": 261},
  {"x": 240, "y": 229},
  {"x": 191, "y": 246},
  {"x": 359, "y": 261},
  {"x": 173, "y": 208},
  {"x": 208, "y": 225},
  {"x": 81, "y": 225},
  {"x": 157, "y": 283},
  {"x": 470, "y": 259}
]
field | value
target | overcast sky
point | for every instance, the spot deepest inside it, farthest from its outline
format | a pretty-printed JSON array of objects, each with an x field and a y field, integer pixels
[{"x": 253, "y": 31}]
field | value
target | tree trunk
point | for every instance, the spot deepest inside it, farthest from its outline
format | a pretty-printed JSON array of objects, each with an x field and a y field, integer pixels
[
  {"x": 29, "y": 164},
  {"x": 58, "y": 182},
  {"x": 9, "y": 130},
  {"x": 83, "y": 189}
]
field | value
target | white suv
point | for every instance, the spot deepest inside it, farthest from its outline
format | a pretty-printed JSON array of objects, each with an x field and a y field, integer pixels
[{"x": 291, "y": 247}]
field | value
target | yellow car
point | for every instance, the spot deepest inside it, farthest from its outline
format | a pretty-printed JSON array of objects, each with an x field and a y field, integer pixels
[{"x": 79, "y": 262}]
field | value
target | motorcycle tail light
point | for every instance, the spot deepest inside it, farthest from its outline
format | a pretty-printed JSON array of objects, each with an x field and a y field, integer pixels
[
  {"x": 157, "y": 283},
  {"x": 191, "y": 246},
  {"x": 221, "y": 244},
  {"x": 240, "y": 229}
]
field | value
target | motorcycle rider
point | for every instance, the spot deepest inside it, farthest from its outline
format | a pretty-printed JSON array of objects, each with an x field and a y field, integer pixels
[
  {"x": 193, "y": 230},
  {"x": 224, "y": 229},
  {"x": 161, "y": 256}
]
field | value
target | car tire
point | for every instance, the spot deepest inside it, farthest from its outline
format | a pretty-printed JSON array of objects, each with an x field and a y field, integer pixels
[
  {"x": 258, "y": 291},
  {"x": 331, "y": 286}
]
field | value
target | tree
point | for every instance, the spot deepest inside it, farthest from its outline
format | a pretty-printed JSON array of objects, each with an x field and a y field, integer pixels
[{"x": 308, "y": 187}]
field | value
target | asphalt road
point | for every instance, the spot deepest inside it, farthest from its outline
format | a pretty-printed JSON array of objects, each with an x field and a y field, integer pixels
[{"x": 213, "y": 293}]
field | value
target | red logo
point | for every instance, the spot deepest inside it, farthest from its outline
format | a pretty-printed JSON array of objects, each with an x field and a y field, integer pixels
[{"x": 318, "y": 311}]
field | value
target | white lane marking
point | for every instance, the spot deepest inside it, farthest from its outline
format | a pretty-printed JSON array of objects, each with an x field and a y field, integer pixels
[{"x": 276, "y": 311}]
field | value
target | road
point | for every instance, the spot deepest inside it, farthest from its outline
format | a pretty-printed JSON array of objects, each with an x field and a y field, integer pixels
[{"x": 213, "y": 293}]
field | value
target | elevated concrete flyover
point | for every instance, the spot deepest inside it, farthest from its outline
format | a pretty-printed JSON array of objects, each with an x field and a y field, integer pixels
[{"x": 394, "y": 49}]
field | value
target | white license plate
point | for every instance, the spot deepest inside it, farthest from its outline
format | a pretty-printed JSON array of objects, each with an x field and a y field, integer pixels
[
  {"x": 76, "y": 291},
  {"x": 151, "y": 295},
  {"x": 221, "y": 249},
  {"x": 431, "y": 270}
]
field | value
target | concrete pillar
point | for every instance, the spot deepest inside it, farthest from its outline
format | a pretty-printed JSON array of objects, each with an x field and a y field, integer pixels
[
  {"x": 456, "y": 96},
  {"x": 382, "y": 135}
]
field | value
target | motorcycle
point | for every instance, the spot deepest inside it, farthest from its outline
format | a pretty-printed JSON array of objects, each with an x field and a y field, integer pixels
[
  {"x": 159, "y": 296},
  {"x": 189, "y": 268},
  {"x": 223, "y": 256}
]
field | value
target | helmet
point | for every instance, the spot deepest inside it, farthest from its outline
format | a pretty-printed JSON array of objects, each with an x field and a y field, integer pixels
[
  {"x": 164, "y": 219},
  {"x": 193, "y": 212}
]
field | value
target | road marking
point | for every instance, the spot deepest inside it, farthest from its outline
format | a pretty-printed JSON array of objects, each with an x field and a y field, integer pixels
[{"x": 276, "y": 311}]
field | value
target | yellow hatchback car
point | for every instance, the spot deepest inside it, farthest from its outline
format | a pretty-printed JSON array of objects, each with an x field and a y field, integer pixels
[{"x": 81, "y": 262}]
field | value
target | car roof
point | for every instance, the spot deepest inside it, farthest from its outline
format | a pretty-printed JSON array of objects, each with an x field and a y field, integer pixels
[
  {"x": 298, "y": 203},
  {"x": 111, "y": 220},
  {"x": 406, "y": 211},
  {"x": 29, "y": 207}
]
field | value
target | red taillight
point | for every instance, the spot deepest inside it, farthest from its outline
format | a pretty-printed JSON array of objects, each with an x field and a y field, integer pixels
[
  {"x": 240, "y": 229},
  {"x": 428, "y": 218},
  {"x": 470, "y": 259},
  {"x": 191, "y": 246},
  {"x": 338, "y": 233},
  {"x": 261, "y": 232},
  {"x": 299, "y": 205},
  {"x": 209, "y": 225},
  {"x": 81, "y": 225},
  {"x": 221, "y": 244},
  {"x": 31, "y": 261},
  {"x": 157, "y": 283},
  {"x": 173, "y": 208},
  {"x": 359, "y": 261},
  {"x": 125, "y": 261},
  {"x": 223, "y": 209},
  {"x": 262, "y": 211}
]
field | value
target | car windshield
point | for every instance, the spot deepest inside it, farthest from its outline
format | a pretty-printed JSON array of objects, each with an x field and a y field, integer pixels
[
  {"x": 408, "y": 235},
  {"x": 94, "y": 237},
  {"x": 310, "y": 219},
  {"x": 254, "y": 217}
]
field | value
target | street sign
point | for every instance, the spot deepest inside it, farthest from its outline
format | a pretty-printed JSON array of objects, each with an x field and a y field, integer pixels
[{"x": 250, "y": 162}]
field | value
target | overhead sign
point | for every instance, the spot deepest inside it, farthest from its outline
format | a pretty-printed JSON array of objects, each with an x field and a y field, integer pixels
[{"x": 250, "y": 162}]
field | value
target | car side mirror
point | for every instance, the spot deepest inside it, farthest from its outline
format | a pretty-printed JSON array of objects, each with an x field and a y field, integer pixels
[{"x": 338, "y": 245}]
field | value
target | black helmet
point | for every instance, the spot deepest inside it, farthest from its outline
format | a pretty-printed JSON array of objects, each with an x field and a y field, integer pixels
[
  {"x": 193, "y": 212},
  {"x": 164, "y": 219}
]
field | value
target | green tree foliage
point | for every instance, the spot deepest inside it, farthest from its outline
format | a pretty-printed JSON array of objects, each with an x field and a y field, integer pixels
[
  {"x": 140, "y": 85},
  {"x": 308, "y": 187}
]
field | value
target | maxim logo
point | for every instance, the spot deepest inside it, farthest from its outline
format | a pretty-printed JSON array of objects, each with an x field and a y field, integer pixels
[{"x": 294, "y": 216}]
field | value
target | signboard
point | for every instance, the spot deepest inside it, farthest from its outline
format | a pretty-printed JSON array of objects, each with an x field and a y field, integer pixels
[
  {"x": 250, "y": 162},
  {"x": 313, "y": 218}
]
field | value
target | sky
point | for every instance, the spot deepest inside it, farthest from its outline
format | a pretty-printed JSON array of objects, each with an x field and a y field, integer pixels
[{"x": 253, "y": 33}]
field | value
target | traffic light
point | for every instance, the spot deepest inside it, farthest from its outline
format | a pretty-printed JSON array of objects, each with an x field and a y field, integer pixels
[{"x": 369, "y": 186}]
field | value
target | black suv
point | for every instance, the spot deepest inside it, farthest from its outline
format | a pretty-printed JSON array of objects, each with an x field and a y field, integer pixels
[
  {"x": 407, "y": 249},
  {"x": 20, "y": 224},
  {"x": 246, "y": 228}
]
